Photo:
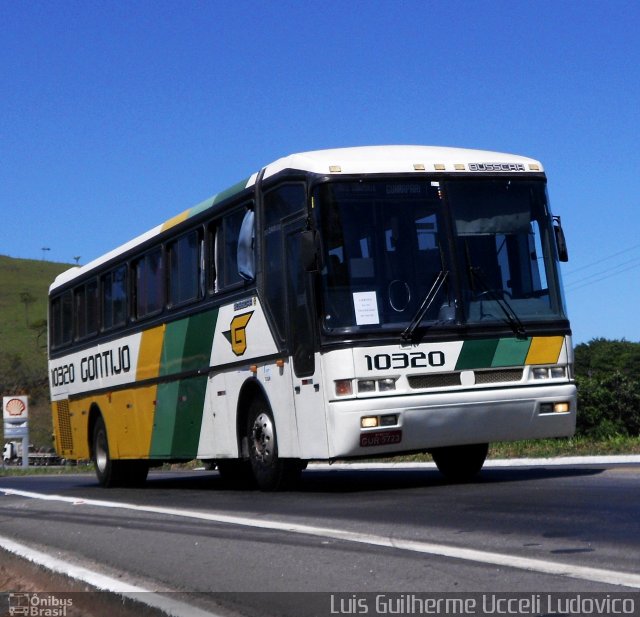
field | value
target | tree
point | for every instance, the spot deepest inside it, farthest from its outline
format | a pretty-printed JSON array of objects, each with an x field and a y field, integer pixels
[
  {"x": 27, "y": 299},
  {"x": 608, "y": 380},
  {"x": 40, "y": 328},
  {"x": 601, "y": 357}
]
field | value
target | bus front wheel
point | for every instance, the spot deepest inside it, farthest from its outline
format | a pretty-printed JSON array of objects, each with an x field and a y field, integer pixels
[
  {"x": 271, "y": 472},
  {"x": 112, "y": 473},
  {"x": 460, "y": 463}
]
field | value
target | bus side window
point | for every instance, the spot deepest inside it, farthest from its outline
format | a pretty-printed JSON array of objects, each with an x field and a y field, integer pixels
[
  {"x": 212, "y": 256},
  {"x": 92, "y": 307},
  {"x": 184, "y": 264},
  {"x": 119, "y": 296},
  {"x": 202, "y": 281},
  {"x": 283, "y": 202},
  {"x": 80, "y": 309},
  {"x": 231, "y": 224},
  {"x": 67, "y": 318},
  {"x": 246, "y": 242},
  {"x": 148, "y": 289},
  {"x": 85, "y": 308},
  {"x": 114, "y": 298},
  {"x": 62, "y": 319}
]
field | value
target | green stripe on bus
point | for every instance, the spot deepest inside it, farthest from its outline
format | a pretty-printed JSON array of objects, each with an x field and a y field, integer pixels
[
  {"x": 210, "y": 201},
  {"x": 178, "y": 417},
  {"x": 476, "y": 354},
  {"x": 164, "y": 419},
  {"x": 487, "y": 353},
  {"x": 511, "y": 352},
  {"x": 198, "y": 340},
  {"x": 173, "y": 347},
  {"x": 232, "y": 190},
  {"x": 186, "y": 434},
  {"x": 187, "y": 343}
]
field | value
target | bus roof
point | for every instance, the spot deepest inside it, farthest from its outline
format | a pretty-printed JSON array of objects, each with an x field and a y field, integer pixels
[
  {"x": 342, "y": 161},
  {"x": 403, "y": 159}
]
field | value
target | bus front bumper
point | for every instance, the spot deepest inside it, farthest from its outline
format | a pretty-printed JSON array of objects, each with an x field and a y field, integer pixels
[{"x": 411, "y": 423}]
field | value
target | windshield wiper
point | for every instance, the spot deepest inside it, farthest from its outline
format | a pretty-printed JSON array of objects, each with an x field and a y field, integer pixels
[
  {"x": 511, "y": 317},
  {"x": 407, "y": 334}
]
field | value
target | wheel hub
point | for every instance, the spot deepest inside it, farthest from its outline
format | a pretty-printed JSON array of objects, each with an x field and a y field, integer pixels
[
  {"x": 262, "y": 438},
  {"x": 102, "y": 456}
]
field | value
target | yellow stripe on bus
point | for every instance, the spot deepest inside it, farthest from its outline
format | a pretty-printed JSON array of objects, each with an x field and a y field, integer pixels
[
  {"x": 133, "y": 411},
  {"x": 545, "y": 350},
  {"x": 150, "y": 352},
  {"x": 183, "y": 216},
  {"x": 144, "y": 399}
]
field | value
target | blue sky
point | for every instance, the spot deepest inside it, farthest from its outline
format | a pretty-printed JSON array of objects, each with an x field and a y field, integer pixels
[{"x": 114, "y": 116}]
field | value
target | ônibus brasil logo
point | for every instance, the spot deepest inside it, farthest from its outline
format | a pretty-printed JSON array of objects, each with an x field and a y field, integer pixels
[{"x": 38, "y": 605}]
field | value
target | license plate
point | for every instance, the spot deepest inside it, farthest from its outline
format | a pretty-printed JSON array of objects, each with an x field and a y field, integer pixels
[{"x": 380, "y": 438}]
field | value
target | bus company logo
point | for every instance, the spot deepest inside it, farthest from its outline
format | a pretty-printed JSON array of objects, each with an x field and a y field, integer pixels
[
  {"x": 15, "y": 408},
  {"x": 237, "y": 334},
  {"x": 38, "y": 605},
  {"x": 496, "y": 167}
]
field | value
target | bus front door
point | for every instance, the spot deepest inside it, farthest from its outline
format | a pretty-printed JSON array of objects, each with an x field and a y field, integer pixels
[{"x": 301, "y": 335}]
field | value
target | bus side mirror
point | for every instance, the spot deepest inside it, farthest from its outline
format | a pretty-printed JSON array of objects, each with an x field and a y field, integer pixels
[
  {"x": 245, "y": 256},
  {"x": 561, "y": 243},
  {"x": 309, "y": 246}
]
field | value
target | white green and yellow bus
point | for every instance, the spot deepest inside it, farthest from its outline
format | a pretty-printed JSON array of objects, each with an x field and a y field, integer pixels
[{"x": 345, "y": 303}]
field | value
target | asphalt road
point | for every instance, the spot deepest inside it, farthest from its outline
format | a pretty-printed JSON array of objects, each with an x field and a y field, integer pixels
[{"x": 345, "y": 533}]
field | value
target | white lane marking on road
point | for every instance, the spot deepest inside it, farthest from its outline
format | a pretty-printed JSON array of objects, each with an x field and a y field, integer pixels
[
  {"x": 599, "y": 575},
  {"x": 559, "y": 461},
  {"x": 102, "y": 581}
]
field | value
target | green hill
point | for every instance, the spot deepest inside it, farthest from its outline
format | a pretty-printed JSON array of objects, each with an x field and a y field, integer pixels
[{"x": 24, "y": 284}]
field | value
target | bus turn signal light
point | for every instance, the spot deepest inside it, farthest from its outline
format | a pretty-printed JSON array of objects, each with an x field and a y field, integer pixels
[{"x": 344, "y": 387}]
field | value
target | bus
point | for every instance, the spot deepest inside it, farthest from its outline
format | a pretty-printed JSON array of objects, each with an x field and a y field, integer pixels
[{"x": 336, "y": 304}]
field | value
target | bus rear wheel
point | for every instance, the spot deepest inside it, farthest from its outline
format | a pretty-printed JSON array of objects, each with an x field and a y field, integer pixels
[
  {"x": 236, "y": 473},
  {"x": 460, "y": 463},
  {"x": 112, "y": 473},
  {"x": 271, "y": 472}
]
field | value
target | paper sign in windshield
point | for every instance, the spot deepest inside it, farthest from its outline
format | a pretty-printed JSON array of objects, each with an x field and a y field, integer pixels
[{"x": 366, "y": 308}]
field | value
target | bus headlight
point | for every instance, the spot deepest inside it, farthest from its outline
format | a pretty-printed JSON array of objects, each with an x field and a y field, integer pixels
[
  {"x": 382, "y": 385},
  {"x": 366, "y": 385},
  {"x": 548, "y": 372}
]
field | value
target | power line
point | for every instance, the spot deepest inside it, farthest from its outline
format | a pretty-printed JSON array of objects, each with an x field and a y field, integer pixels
[
  {"x": 621, "y": 268},
  {"x": 606, "y": 258}
]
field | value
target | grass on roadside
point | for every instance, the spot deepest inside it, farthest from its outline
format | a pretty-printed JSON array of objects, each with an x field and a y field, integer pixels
[
  {"x": 551, "y": 448},
  {"x": 53, "y": 470},
  {"x": 573, "y": 446},
  {"x": 535, "y": 448}
]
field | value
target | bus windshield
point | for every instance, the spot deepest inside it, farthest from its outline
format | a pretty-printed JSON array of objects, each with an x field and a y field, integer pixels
[{"x": 388, "y": 247}]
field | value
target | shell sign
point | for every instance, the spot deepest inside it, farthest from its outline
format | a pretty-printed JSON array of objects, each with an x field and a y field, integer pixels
[{"x": 15, "y": 408}]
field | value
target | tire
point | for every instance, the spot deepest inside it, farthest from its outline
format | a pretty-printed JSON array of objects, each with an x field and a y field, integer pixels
[
  {"x": 236, "y": 473},
  {"x": 112, "y": 473},
  {"x": 460, "y": 463},
  {"x": 134, "y": 473},
  {"x": 271, "y": 472}
]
